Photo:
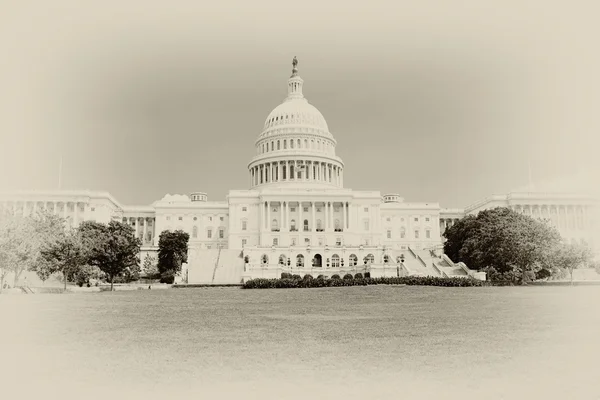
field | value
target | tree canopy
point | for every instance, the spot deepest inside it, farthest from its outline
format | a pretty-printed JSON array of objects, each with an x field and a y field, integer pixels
[
  {"x": 172, "y": 251},
  {"x": 22, "y": 239},
  {"x": 66, "y": 254},
  {"x": 113, "y": 248},
  {"x": 501, "y": 239}
]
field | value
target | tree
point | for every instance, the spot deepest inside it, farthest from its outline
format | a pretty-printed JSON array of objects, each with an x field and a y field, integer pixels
[
  {"x": 113, "y": 248},
  {"x": 150, "y": 267},
  {"x": 172, "y": 251},
  {"x": 503, "y": 240},
  {"x": 571, "y": 256},
  {"x": 66, "y": 255}
]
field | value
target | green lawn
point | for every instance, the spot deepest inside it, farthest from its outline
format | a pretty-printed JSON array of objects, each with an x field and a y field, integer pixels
[{"x": 355, "y": 342}]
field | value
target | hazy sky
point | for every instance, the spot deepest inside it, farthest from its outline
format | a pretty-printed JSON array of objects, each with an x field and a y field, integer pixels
[{"x": 441, "y": 101}]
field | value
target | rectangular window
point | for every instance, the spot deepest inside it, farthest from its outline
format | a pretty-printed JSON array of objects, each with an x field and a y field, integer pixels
[
  {"x": 402, "y": 234},
  {"x": 389, "y": 234},
  {"x": 221, "y": 218},
  {"x": 338, "y": 241},
  {"x": 306, "y": 241},
  {"x": 180, "y": 218},
  {"x": 93, "y": 209},
  {"x": 416, "y": 219},
  {"x": 388, "y": 219},
  {"x": 293, "y": 241},
  {"x": 244, "y": 208},
  {"x": 275, "y": 242},
  {"x": 243, "y": 242},
  {"x": 305, "y": 209},
  {"x": 210, "y": 218},
  {"x": 416, "y": 234},
  {"x": 366, "y": 209},
  {"x": 428, "y": 234},
  {"x": 318, "y": 209},
  {"x": 293, "y": 209},
  {"x": 208, "y": 246},
  {"x": 366, "y": 225},
  {"x": 221, "y": 233},
  {"x": 244, "y": 225},
  {"x": 209, "y": 233},
  {"x": 168, "y": 218},
  {"x": 427, "y": 219}
]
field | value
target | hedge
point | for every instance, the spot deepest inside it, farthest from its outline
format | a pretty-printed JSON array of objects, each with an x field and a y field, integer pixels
[{"x": 306, "y": 282}]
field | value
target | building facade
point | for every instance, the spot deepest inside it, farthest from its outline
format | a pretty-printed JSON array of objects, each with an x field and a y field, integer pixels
[{"x": 296, "y": 215}]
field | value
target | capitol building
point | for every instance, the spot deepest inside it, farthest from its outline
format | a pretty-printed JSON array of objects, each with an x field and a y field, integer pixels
[{"x": 296, "y": 215}]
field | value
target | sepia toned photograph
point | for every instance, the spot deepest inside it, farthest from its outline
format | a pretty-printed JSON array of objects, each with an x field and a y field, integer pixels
[{"x": 299, "y": 200}]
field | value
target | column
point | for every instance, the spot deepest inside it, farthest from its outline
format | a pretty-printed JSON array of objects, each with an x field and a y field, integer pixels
[
  {"x": 312, "y": 225},
  {"x": 282, "y": 215},
  {"x": 325, "y": 216},
  {"x": 301, "y": 222},
  {"x": 343, "y": 216},
  {"x": 287, "y": 215},
  {"x": 268, "y": 215},
  {"x": 64, "y": 209},
  {"x": 348, "y": 215},
  {"x": 145, "y": 230}
]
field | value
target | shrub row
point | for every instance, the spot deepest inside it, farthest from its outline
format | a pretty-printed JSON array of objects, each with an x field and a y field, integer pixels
[{"x": 294, "y": 281}]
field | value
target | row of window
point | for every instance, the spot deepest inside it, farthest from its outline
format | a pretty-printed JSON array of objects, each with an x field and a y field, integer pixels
[
  {"x": 168, "y": 218},
  {"x": 403, "y": 234},
  {"x": 294, "y": 143},
  {"x": 415, "y": 219},
  {"x": 334, "y": 262}
]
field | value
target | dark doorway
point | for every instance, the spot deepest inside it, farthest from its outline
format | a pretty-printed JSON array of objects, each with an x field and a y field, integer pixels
[{"x": 317, "y": 261}]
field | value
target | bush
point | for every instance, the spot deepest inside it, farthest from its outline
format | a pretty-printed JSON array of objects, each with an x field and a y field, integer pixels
[
  {"x": 167, "y": 277},
  {"x": 320, "y": 277},
  {"x": 348, "y": 276},
  {"x": 367, "y": 274},
  {"x": 297, "y": 277},
  {"x": 358, "y": 276},
  {"x": 307, "y": 277},
  {"x": 285, "y": 275},
  {"x": 335, "y": 276},
  {"x": 309, "y": 282}
]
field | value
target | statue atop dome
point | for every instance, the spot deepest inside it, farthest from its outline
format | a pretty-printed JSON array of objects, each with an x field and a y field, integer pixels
[{"x": 294, "y": 66}]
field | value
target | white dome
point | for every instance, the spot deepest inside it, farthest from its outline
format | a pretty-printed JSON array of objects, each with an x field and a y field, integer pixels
[{"x": 294, "y": 112}]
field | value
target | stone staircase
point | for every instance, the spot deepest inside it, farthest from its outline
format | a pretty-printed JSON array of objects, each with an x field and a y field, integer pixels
[
  {"x": 442, "y": 264},
  {"x": 419, "y": 266}
]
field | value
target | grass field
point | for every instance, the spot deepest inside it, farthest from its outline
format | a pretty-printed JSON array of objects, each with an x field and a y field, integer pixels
[{"x": 357, "y": 342}]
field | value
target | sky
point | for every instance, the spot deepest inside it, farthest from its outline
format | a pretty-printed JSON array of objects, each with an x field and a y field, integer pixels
[{"x": 438, "y": 101}]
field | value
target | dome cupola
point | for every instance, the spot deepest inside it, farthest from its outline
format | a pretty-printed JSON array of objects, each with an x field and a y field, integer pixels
[{"x": 295, "y": 145}]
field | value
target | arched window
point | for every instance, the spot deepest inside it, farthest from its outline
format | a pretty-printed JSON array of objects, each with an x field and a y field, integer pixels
[
  {"x": 195, "y": 232},
  {"x": 305, "y": 143},
  {"x": 272, "y": 146},
  {"x": 386, "y": 259},
  {"x": 353, "y": 260},
  {"x": 335, "y": 261},
  {"x": 282, "y": 259},
  {"x": 299, "y": 261},
  {"x": 293, "y": 225},
  {"x": 319, "y": 227},
  {"x": 402, "y": 233},
  {"x": 298, "y": 143},
  {"x": 291, "y": 171},
  {"x": 338, "y": 228},
  {"x": 274, "y": 226},
  {"x": 369, "y": 258},
  {"x": 305, "y": 225},
  {"x": 284, "y": 144},
  {"x": 291, "y": 143},
  {"x": 278, "y": 145},
  {"x": 264, "y": 259}
]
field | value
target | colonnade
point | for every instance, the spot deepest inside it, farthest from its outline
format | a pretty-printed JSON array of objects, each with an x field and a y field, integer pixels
[
  {"x": 322, "y": 216},
  {"x": 572, "y": 217},
  {"x": 74, "y": 211},
  {"x": 296, "y": 170},
  {"x": 143, "y": 226}
]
